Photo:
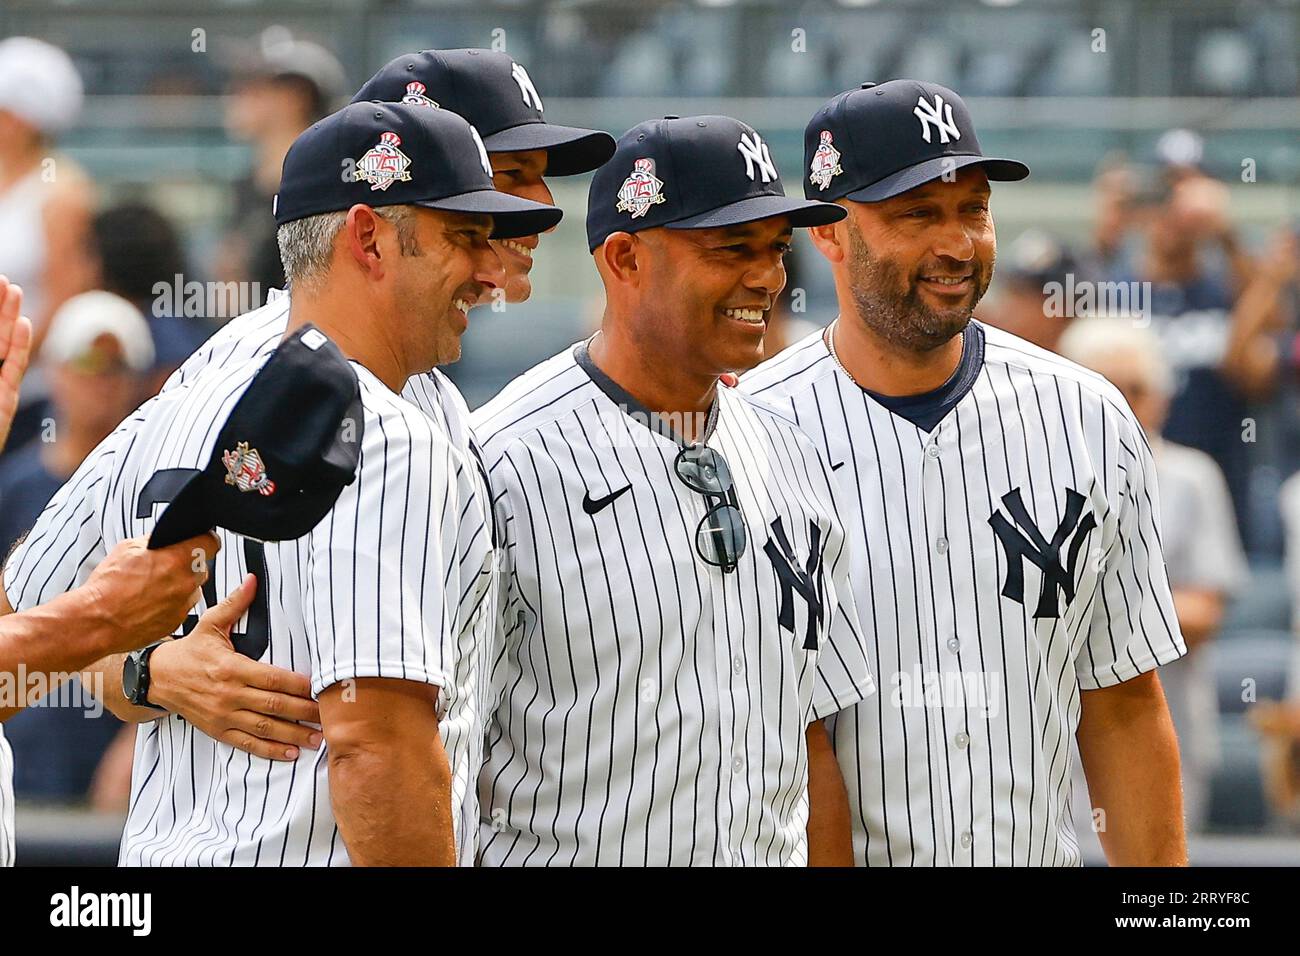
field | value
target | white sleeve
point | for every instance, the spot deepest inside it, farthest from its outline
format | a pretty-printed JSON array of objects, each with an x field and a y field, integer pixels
[
  {"x": 1133, "y": 628},
  {"x": 379, "y": 564},
  {"x": 67, "y": 541}
]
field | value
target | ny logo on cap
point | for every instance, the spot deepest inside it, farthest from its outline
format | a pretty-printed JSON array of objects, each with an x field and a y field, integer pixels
[
  {"x": 531, "y": 97},
  {"x": 641, "y": 190},
  {"x": 384, "y": 164},
  {"x": 414, "y": 96},
  {"x": 482, "y": 151},
  {"x": 939, "y": 116},
  {"x": 755, "y": 151}
]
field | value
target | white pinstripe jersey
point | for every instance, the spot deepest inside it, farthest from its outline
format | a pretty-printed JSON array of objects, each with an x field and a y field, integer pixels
[
  {"x": 1010, "y": 558},
  {"x": 6, "y": 802},
  {"x": 397, "y": 582},
  {"x": 654, "y": 708}
]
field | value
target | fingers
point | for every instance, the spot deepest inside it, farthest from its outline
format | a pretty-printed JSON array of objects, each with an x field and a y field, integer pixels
[
  {"x": 284, "y": 706},
  {"x": 16, "y": 353},
  {"x": 259, "y": 748},
  {"x": 224, "y": 615},
  {"x": 277, "y": 679},
  {"x": 276, "y": 731}
]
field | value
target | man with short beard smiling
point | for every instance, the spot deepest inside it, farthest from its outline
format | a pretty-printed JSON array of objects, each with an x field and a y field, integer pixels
[{"x": 1005, "y": 503}]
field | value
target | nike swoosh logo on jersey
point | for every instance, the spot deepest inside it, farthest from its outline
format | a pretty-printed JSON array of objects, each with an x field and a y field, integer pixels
[
  {"x": 593, "y": 505},
  {"x": 839, "y": 466}
]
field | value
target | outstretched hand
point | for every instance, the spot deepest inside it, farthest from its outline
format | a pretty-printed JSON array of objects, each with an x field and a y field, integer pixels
[{"x": 15, "y": 350}]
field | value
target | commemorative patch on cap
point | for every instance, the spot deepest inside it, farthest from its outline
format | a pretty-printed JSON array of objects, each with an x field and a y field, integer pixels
[
  {"x": 246, "y": 470},
  {"x": 415, "y": 95},
  {"x": 641, "y": 190},
  {"x": 384, "y": 164},
  {"x": 825, "y": 164}
]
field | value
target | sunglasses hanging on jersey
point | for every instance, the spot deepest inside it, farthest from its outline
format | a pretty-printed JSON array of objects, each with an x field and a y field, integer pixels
[{"x": 720, "y": 537}]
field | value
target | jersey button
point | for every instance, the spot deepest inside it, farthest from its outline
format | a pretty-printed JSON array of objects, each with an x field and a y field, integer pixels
[
  {"x": 941, "y": 545},
  {"x": 737, "y": 764},
  {"x": 962, "y": 741},
  {"x": 932, "y": 450},
  {"x": 953, "y": 644},
  {"x": 737, "y": 664},
  {"x": 966, "y": 840}
]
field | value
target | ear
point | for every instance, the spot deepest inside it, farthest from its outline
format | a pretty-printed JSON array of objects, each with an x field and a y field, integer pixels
[
  {"x": 616, "y": 257},
  {"x": 362, "y": 230},
  {"x": 831, "y": 241}
]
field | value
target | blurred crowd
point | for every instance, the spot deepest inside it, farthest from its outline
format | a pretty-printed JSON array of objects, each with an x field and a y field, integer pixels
[{"x": 1199, "y": 329}]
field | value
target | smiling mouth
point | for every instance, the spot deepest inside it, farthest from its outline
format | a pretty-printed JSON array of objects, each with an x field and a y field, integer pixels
[
  {"x": 464, "y": 305},
  {"x": 949, "y": 281},
  {"x": 754, "y": 317},
  {"x": 517, "y": 247}
]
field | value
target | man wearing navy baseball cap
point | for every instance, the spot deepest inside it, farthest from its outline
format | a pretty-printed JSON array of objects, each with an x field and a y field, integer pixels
[
  {"x": 675, "y": 539},
  {"x": 494, "y": 92},
  {"x": 384, "y": 215},
  {"x": 978, "y": 469}
]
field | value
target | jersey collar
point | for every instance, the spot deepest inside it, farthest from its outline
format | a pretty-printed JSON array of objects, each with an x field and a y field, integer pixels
[
  {"x": 926, "y": 410},
  {"x": 621, "y": 397}
]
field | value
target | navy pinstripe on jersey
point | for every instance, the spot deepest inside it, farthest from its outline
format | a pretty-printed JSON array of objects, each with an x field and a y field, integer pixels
[
  {"x": 397, "y": 581},
  {"x": 1010, "y": 558},
  {"x": 654, "y": 708}
]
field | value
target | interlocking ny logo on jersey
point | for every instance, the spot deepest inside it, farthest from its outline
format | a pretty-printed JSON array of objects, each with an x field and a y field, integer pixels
[
  {"x": 1028, "y": 543},
  {"x": 938, "y": 115},
  {"x": 806, "y": 581},
  {"x": 756, "y": 154}
]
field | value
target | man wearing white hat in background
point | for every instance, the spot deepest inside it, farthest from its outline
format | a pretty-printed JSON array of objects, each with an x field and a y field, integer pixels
[
  {"x": 45, "y": 199},
  {"x": 96, "y": 352}
]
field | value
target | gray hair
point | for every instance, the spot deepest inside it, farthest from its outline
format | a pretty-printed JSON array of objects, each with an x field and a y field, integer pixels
[
  {"x": 306, "y": 245},
  {"x": 1092, "y": 340}
]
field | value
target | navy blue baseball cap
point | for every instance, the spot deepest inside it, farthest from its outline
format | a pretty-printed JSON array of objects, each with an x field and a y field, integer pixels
[
  {"x": 694, "y": 172},
  {"x": 494, "y": 93},
  {"x": 392, "y": 154},
  {"x": 289, "y": 447},
  {"x": 881, "y": 140}
]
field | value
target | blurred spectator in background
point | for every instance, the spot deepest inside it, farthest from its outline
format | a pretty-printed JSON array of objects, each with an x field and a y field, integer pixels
[
  {"x": 1202, "y": 549},
  {"x": 45, "y": 200},
  {"x": 1216, "y": 315},
  {"x": 137, "y": 247},
  {"x": 97, "y": 351},
  {"x": 280, "y": 87},
  {"x": 1035, "y": 259},
  {"x": 1279, "y": 721}
]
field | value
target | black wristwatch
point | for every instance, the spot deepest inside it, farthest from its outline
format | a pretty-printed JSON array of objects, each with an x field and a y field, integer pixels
[{"x": 135, "y": 676}]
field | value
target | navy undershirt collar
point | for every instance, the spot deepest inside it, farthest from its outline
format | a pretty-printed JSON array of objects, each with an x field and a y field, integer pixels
[
  {"x": 624, "y": 399},
  {"x": 926, "y": 410}
]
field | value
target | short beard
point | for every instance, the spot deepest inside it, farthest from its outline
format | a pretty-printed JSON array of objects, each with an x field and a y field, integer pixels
[{"x": 901, "y": 318}]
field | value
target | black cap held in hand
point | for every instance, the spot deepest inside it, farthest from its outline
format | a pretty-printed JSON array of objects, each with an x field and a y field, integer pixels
[
  {"x": 880, "y": 140},
  {"x": 496, "y": 94},
  {"x": 393, "y": 154},
  {"x": 284, "y": 455},
  {"x": 693, "y": 172}
]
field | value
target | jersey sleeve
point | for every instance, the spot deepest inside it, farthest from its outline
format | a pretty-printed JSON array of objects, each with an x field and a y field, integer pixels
[
  {"x": 67, "y": 541},
  {"x": 380, "y": 564},
  {"x": 843, "y": 672},
  {"x": 1133, "y": 627}
]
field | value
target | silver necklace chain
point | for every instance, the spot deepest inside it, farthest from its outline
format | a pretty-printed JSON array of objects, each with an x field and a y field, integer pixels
[{"x": 830, "y": 347}]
